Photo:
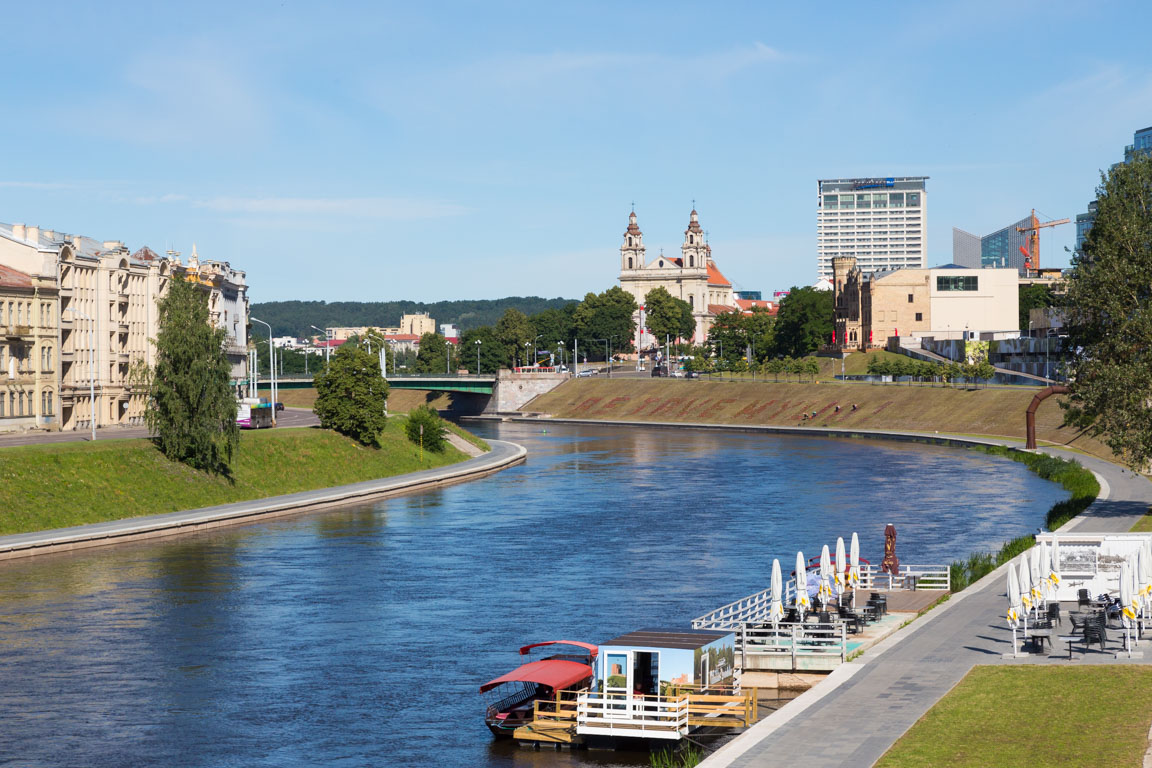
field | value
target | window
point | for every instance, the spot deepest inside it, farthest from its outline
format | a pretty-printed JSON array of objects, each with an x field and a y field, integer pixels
[
  {"x": 847, "y": 202},
  {"x": 690, "y": 240},
  {"x": 957, "y": 283},
  {"x": 896, "y": 200},
  {"x": 21, "y": 403},
  {"x": 629, "y": 240},
  {"x": 880, "y": 201},
  {"x": 919, "y": 317},
  {"x": 629, "y": 262},
  {"x": 830, "y": 201},
  {"x": 909, "y": 298},
  {"x": 913, "y": 199}
]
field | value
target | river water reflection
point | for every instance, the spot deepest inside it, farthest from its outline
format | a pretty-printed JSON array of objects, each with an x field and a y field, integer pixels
[{"x": 360, "y": 636}]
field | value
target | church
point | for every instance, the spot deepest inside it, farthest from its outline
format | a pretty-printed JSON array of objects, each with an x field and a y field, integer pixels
[{"x": 691, "y": 277}]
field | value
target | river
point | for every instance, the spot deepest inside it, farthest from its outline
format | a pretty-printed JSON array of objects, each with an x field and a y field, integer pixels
[{"x": 359, "y": 636}]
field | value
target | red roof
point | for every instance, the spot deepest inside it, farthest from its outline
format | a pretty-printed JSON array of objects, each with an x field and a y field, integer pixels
[
  {"x": 402, "y": 337},
  {"x": 14, "y": 278},
  {"x": 592, "y": 649},
  {"x": 715, "y": 278},
  {"x": 332, "y": 343},
  {"x": 717, "y": 309},
  {"x": 554, "y": 673},
  {"x": 748, "y": 304}
]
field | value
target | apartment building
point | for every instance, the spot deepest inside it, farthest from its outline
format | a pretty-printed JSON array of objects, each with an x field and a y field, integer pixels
[
  {"x": 29, "y": 388},
  {"x": 227, "y": 290}
]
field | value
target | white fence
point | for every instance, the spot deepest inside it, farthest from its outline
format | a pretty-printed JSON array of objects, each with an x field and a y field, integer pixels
[
  {"x": 800, "y": 645},
  {"x": 619, "y": 714}
]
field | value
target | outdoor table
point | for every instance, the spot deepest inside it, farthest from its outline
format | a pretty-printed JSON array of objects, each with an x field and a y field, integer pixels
[{"x": 1039, "y": 635}]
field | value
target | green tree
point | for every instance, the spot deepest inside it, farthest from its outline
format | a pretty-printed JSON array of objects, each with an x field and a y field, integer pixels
[
  {"x": 351, "y": 395},
  {"x": 433, "y": 354},
  {"x": 424, "y": 424},
  {"x": 607, "y": 315},
  {"x": 493, "y": 355},
  {"x": 804, "y": 321},
  {"x": 1109, "y": 316},
  {"x": 1035, "y": 296},
  {"x": 554, "y": 326},
  {"x": 667, "y": 317},
  {"x": 192, "y": 414},
  {"x": 514, "y": 331}
]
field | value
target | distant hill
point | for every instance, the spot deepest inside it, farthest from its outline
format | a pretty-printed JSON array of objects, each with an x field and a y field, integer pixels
[{"x": 295, "y": 318}]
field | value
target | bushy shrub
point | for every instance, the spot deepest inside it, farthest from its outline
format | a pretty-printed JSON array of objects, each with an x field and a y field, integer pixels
[{"x": 434, "y": 429}]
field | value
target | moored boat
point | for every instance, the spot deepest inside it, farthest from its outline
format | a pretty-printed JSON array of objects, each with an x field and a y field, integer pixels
[{"x": 512, "y": 697}]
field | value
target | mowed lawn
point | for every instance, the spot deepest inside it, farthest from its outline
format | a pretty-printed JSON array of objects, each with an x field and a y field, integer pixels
[
  {"x": 65, "y": 484},
  {"x": 1034, "y": 716},
  {"x": 399, "y": 400}
]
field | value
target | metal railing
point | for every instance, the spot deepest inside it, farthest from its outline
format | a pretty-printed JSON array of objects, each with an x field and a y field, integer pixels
[{"x": 793, "y": 640}]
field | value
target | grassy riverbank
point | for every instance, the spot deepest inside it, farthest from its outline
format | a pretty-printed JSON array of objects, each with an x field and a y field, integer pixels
[
  {"x": 1042, "y": 717},
  {"x": 980, "y": 412},
  {"x": 65, "y": 484}
]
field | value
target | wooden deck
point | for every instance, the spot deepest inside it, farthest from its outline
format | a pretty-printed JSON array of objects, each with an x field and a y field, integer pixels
[{"x": 906, "y": 600}]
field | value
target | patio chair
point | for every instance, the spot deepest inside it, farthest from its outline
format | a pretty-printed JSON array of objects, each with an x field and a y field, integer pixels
[
  {"x": 854, "y": 620},
  {"x": 1095, "y": 631},
  {"x": 1054, "y": 614},
  {"x": 1078, "y": 621},
  {"x": 824, "y": 617},
  {"x": 1083, "y": 599}
]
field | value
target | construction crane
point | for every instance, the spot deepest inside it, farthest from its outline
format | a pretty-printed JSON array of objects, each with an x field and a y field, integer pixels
[{"x": 1032, "y": 253}]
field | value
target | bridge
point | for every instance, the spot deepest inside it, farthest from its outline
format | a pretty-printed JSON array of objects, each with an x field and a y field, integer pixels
[{"x": 506, "y": 391}]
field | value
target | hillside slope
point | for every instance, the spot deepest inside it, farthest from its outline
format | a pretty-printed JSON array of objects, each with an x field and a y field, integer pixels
[{"x": 994, "y": 411}]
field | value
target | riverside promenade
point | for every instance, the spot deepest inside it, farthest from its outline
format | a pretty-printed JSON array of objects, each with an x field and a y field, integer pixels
[
  {"x": 502, "y": 455},
  {"x": 863, "y": 707}
]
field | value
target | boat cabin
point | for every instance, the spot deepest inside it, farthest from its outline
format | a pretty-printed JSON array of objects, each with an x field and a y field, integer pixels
[{"x": 653, "y": 662}]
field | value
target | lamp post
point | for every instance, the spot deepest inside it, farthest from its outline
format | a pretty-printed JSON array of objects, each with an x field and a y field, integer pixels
[
  {"x": 561, "y": 345},
  {"x": 447, "y": 357},
  {"x": 327, "y": 343},
  {"x": 526, "y": 345},
  {"x": 91, "y": 371},
  {"x": 271, "y": 364},
  {"x": 477, "y": 357}
]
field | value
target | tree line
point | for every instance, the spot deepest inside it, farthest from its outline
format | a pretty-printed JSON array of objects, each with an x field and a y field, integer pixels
[{"x": 296, "y": 318}]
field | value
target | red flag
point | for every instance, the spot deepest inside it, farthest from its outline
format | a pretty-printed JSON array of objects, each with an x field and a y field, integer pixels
[
  {"x": 869, "y": 335},
  {"x": 897, "y": 333}
]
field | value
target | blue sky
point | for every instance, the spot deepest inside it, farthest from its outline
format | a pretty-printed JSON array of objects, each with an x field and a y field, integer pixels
[{"x": 475, "y": 150}]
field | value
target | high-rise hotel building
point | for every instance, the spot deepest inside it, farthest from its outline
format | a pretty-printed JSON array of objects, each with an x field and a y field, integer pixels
[{"x": 880, "y": 222}]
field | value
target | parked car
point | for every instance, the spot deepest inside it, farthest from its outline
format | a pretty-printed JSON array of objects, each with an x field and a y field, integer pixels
[
  {"x": 279, "y": 407},
  {"x": 693, "y": 374},
  {"x": 659, "y": 370},
  {"x": 586, "y": 372}
]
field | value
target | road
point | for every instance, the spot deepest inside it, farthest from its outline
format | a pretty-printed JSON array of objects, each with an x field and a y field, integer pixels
[{"x": 289, "y": 417}]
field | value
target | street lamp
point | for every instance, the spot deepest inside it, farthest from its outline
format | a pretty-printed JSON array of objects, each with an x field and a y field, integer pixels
[
  {"x": 327, "y": 343},
  {"x": 271, "y": 364},
  {"x": 91, "y": 370},
  {"x": 447, "y": 357},
  {"x": 477, "y": 357},
  {"x": 561, "y": 345},
  {"x": 526, "y": 344}
]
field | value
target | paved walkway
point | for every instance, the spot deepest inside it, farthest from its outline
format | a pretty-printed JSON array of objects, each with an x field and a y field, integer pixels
[
  {"x": 289, "y": 417},
  {"x": 503, "y": 454},
  {"x": 892, "y": 685}
]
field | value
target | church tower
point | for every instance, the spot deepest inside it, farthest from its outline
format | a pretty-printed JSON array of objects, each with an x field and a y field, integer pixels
[
  {"x": 694, "y": 250},
  {"x": 632, "y": 250}
]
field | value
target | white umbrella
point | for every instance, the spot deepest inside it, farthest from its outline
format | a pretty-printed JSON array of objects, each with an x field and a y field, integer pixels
[
  {"x": 1054, "y": 565},
  {"x": 1015, "y": 609},
  {"x": 1025, "y": 588},
  {"x": 1127, "y": 614},
  {"x": 1034, "y": 577},
  {"x": 854, "y": 566},
  {"x": 776, "y": 606},
  {"x": 841, "y": 568},
  {"x": 825, "y": 577},
  {"x": 1045, "y": 572},
  {"x": 802, "y": 601}
]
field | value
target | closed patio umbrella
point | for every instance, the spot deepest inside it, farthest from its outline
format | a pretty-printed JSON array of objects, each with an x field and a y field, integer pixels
[
  {"x": 825, "y": 576},
  {"x": 1025, "y": 583},
  {"x": 1015, "y": 609},
  {"x": 1054, "y": 565},
  {"x": 841, "y": 570},
  {"x": 854, "y": 566},
  {"x": 1034, "y": 577},
  {"x": 776, "y": 606},
  {"x": 1045, "y": 572},
  {"x": 1127, "y": 614},
  {"x": 803, "y": 604}
]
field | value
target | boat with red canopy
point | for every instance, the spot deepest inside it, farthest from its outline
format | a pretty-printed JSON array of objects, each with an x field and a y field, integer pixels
[{"x": 512, "y": 696}]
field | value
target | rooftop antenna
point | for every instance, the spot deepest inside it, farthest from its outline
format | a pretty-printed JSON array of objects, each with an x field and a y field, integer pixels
[{"x": 633, "y": 206}]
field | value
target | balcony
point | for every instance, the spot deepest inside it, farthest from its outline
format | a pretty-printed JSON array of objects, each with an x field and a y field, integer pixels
[
  {"x": 123, "y": 358},
  {"x": 17, "y": 331}
]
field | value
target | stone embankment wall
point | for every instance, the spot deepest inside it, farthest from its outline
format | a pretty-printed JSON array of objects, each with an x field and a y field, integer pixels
[{"x": 514, "y": 390}]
